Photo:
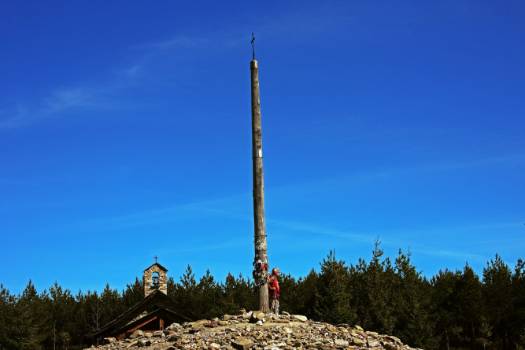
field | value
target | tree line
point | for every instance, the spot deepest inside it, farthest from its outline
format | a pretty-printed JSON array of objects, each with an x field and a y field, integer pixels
[{"x": 451, "y": 310}]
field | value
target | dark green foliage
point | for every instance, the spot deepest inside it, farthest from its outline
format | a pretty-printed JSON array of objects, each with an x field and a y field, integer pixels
[
  {"x": 7, "y": 316},
  {"x": 332, "y": 299},
  {"x": 236, "y": 294},
  {"x": 469, "y": 299},
  {"x": 30, "y": 319},
  {"x": 452, "y": 310},
  {"x": 307, "y": 291},
  {"x": 110, "y": 304},
  {"x": 184, "y": 294},
  {"x": 133, "y": 293},
  {"x": 445, "y": 308},
  {"x": 411, "y": 293},
  {"x": 207, "y": 295},
  {"x": 497, "y": 296},
  {"x": 517, "y": 317},
  {"x": 380, "y": 284}
]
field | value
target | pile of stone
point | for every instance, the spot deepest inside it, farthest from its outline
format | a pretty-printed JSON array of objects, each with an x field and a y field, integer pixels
[{"x": 256, "y": 330}]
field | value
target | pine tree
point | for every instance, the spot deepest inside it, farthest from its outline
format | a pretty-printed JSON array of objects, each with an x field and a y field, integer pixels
[
  {"x": 307, "y": 294},
  {"x": 184, "y": 294},
  {"x": 289, "y": 299},
  {"x": 60, "y": 306},
  {"x": 333, "y": 302},
  {"x": 80, "y": 322},
  {"x": 358, "y": 291},
  {"x": 445, "y": 308},
  {"x": 29, "y": 322},
  {"x": 497, "y": 295},
  {"x": 469, "y": 309},
  {"x": 237, "y": 293},
  {"x": 517, "y": 316},
  {"x": 93, "y": 309},
  {"x": 110, "y": 305},
  {"x": 228, "y": 302},
  {"x": 208, "y": 297},
  {"x": 133, "y": 294},
  {"x": 7, "y": 318},
  {"x": 379, "y": 285},
  {"x": 413, "y": 324}
]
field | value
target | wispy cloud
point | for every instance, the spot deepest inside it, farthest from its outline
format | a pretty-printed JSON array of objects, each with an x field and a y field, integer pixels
[
  {"x": 91, "y": 95},
  {"x": 222, "y": 207},
  {"x": 474, "y": 163},
  {"x": 444, "y": 166},
  {"x": 59, "y": 101},
  {"x": 178, "y": 41},
  {"x": 201, "y": 248},
  {"x": 234, "y": 207},
  {"x": 385, "y": 236},
  {"x": 237, "y": 206},
  {"x": 454, "y": 254},
  {"x": 316, "y": 229},
  {"x": 133, "y": 71},
  {"x": 62, "y": 100}
]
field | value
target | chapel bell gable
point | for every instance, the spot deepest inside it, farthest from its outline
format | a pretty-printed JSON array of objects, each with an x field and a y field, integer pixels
[{"x": 155, "y": 278}]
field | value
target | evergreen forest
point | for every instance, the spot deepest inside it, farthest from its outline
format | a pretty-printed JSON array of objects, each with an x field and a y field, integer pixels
[{"x": 451, "y": 310}]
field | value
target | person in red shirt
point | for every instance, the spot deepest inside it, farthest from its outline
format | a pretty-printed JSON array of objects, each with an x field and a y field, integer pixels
[{"x": 275, "y": 290}]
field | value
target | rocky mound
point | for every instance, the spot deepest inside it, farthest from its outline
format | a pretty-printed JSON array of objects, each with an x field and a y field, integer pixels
[{"x": 256, "y": 330}]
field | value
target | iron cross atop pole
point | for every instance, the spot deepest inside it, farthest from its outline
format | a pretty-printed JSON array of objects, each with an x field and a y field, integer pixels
[
  {"x": 253, "y": 46},
  {"x": 260, "y": 262}
]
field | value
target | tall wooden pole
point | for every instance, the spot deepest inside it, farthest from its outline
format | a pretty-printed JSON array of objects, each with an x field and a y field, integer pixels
[{"x": 261, "y": 254}]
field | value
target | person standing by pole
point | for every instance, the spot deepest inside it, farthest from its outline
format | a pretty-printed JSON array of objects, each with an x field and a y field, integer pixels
[{"x": 275, "y": 290}]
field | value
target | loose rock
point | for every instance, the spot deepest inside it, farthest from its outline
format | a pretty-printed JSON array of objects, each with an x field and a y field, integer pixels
[
  {"x": 242, "y": 344},
  {"x": 270, "y": 332},
  {"x": 300, "y": 318}
]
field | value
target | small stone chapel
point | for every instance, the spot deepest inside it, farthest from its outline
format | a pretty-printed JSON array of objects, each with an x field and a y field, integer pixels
[{"x": 155, "y": 312}]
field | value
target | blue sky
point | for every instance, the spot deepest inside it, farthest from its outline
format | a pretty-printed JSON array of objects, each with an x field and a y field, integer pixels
[{"x": 125, "y": 133}]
